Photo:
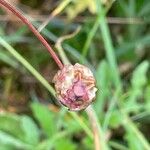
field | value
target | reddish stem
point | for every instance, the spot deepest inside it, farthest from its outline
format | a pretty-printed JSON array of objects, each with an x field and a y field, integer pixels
[{"x": 33, "y": 29}]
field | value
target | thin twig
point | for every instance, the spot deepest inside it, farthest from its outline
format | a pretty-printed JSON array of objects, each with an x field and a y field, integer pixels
[
  {"x": 33, "y": 29},
  {"x": 56, "y": 11},
  {"x": 58, "y": 45},
  {"x": 119, "y": 20},
  {"x": 94, "y": 128},
  {"x": 108, "y": 45},
  {"x": 79, "y": 19},
  {"x": 99, "y": 140}
]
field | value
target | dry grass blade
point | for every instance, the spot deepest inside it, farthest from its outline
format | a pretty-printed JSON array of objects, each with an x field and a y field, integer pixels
[
  {"x": 56, "y": 11},
  {"x": 110, "y": 20},
  {"x": 58, "y": 45},
  {"x": 99, "y": 140}
]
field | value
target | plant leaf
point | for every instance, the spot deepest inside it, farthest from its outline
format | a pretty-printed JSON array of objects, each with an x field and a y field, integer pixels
[
  {"x": 65, "y": 144},
  {"x": 7, "y": 139},
  {"x": 45, "y": 118},
  {"x": 139, "y": 75},
  {"x": 30, "y": 129}
]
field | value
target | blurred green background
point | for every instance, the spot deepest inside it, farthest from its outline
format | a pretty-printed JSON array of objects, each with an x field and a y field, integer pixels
[{"x": 113, "y": 39}]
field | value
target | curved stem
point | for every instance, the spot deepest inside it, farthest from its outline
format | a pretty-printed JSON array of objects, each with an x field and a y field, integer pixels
[{"x": 33, "y": 29}]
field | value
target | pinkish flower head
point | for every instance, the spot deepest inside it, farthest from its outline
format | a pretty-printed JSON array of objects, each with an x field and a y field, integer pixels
[{"x": 75, "y": 86}]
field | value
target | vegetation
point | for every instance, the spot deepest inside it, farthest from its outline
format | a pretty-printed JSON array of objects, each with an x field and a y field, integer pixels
[{"x": 111, "y": 38}]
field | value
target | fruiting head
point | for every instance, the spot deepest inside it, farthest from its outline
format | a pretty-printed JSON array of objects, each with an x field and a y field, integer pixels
[{"x": 75, "y": 86}]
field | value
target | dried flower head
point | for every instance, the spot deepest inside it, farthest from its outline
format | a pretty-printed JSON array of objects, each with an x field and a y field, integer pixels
[{"x": 75, "y": 86}]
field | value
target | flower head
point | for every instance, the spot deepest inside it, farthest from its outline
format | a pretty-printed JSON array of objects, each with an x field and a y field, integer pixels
[{"x": 75, "y": 86}]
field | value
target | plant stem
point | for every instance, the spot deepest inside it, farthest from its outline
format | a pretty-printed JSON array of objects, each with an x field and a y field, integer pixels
[
  {"x": 33, "y": 29},
  {"x": 93, "y": 31},
  {"x": 55, "y": 12},
  {"x": 99, "y": 139},
  {"x": 108, "y": 45},
  {"x": 58, "y": 45},
  {"x": 82, "y": 124},
  {"x": 27, "y": 66},
  {"x": 90, "y": 37}
]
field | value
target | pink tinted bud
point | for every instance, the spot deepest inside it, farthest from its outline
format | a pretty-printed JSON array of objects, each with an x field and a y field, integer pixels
[{"x": 75, "y": 86}]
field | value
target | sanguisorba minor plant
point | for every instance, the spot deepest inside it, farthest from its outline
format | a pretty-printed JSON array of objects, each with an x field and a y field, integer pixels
[{"x": 74, "y": 84}]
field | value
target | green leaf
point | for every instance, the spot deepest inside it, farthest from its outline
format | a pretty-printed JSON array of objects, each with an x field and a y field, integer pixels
[
  {"x": 138, "y": 81},
  {"x": 63, "y": 144},
  {"x": 103, "y": 78},
  {"x": 19, "y": 127},
  {"x": 132, "y": 141},
  {"x": 11, "y": 124},
  {"x": 72, "y": 126},
  {"x": 147, "y": 98},
  {"x": 30, "y": 129},
  {"x": 6, "y": 58},
  {"x": 45, "y": 118},
  {"x": 115, "y": 119},
  {"x": 6, "y": 146},
  {"x": 139, "y": 78},
  {"x": 49, "y": 143},
  {"x": 7, "y": 139},
  {"x": 88, "y": 143}
]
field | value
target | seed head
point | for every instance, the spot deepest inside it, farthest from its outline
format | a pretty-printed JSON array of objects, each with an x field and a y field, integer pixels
[{"x": 75, "y": 86}]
